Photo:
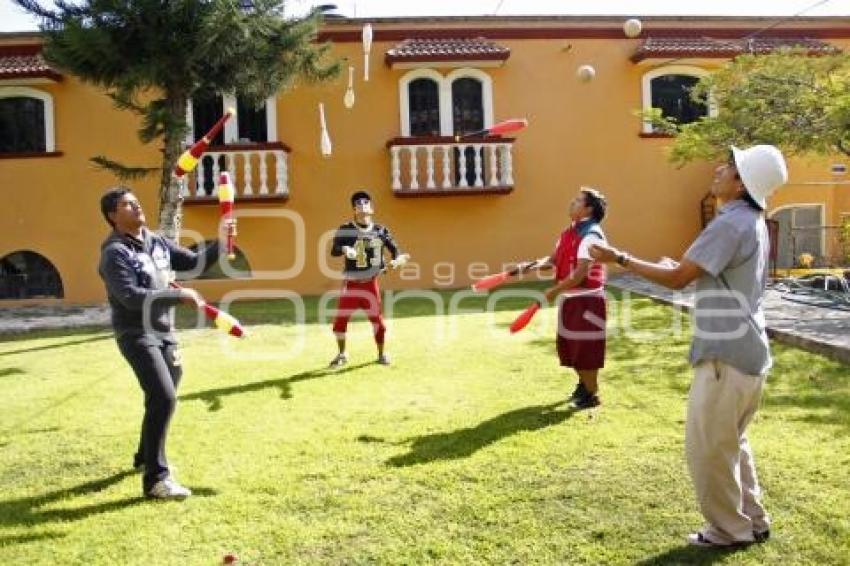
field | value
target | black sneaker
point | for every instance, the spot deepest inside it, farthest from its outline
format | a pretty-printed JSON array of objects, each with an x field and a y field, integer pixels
[
  {"x": 587, "y": 401},
  {"x": 339, "y": 361},
  {"x": 138, "y": 464},
  {"x": 579, "y": 392}
]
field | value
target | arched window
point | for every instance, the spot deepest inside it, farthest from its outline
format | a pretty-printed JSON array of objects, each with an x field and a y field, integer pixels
[
  {"x": 669, "y": 89},
  {"x": 464, "y": 96},
  {"x": 215, "y": 270},
  {"x": 28, "y": 275},
  {"x": 26, "y": 121},
  {"x": 471, "y": 100},
  {"x": 424, "y": 107},
  {"x": 467, "y": 106},
  {"x": 416, "y": 92}
]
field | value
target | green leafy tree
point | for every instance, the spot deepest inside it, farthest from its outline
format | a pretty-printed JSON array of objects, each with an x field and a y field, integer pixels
[
  {"x": 787, "y": 98},
  {"x": 844, "y": 241},
  {"x": 152, "y": 56}
]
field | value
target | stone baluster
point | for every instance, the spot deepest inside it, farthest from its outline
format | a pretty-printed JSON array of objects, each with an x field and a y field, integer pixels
[
  {"x": 461, "y": 165},
  {"x": 396, "y": 168},
  {"x": 281, "y": 173},
  {"x": 494, "y": 163},
  {"x": 199, "y": 179},
  {"x": 247, "y": 189},
  {"x": 264, "y": 173},
  {"x": 507, "y": 165},
  {"x": 479, "y": 170},
  {"x": 216, "y": 168},
  {"x": 414, "y": 167},
  {"x": 430, "y": 151},
  {"x": 447, "y": 166}
]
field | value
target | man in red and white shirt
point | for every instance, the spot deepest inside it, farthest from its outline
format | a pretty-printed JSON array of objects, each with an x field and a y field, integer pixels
[{"x": 580, "y": 289}]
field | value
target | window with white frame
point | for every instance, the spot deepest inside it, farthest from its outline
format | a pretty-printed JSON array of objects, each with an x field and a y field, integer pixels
[
  {"x": 423, "y": 95},
  {"x": 26, "y": 121},
  {"x": 249, "y": 125},
  {"x": 433, "y": 104},
  {"x": 669, "y": 89}
]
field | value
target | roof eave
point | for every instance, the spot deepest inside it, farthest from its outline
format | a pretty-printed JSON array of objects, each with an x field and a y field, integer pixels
[
  {"x": 499, "y": 58},
  {"x": 49, "y": 74}
]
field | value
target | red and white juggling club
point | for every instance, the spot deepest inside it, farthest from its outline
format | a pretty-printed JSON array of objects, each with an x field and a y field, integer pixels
[
  {"x": 524, "y": 318},
  {"x": 189, "y": 160},
  {"x": 499, "y": 129},
  {"x": 221, "y": 320},
  {"x": 224, "y": 321},
  {"x": 491, "y": 281},
  {"x": 226, "y": 197}
]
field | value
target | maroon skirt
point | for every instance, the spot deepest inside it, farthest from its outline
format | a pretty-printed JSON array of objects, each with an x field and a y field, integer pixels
[{"x": 581, "y": 332}]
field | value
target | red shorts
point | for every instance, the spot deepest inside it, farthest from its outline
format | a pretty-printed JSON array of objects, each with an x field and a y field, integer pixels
[
  {"x": 360, "y": 295},
  {"x": 581, "y": 332}
]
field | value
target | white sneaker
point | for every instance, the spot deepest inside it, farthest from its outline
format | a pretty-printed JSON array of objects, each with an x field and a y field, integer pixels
[
  {"x": 168, "y": 489},
  {"x": 339, "y": 361},
  {"x": 383, "y": 359}
]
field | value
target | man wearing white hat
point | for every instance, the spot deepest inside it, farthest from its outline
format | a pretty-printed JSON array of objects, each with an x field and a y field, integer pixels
[{"x": 729, "y": 352}]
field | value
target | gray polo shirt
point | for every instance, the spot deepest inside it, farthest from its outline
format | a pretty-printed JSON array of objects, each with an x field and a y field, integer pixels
[{"x": 729, "y": 323}]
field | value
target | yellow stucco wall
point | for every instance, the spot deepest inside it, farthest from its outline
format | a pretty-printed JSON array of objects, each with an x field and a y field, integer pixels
[
  {"x": 51, "y": 204},
  {"x": 579, "y": 134}
]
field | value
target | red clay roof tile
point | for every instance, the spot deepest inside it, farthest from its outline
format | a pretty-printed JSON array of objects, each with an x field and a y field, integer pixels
[
  {"x": 708, "y": 47},
  {"x": 425, "y": 50}
]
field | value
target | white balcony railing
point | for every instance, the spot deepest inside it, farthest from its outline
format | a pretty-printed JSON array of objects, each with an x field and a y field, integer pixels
[
  {"x": 435, "y": 165},
  {"x": 258, "y": 170}
]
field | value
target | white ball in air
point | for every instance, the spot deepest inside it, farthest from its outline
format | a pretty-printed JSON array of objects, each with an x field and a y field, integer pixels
[
  {"x": 632, "y": 27},
  {"x": 586, "y": 73}
]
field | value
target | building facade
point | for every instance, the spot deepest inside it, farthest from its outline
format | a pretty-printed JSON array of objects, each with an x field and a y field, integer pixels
[{"x": 460, "y": 206}]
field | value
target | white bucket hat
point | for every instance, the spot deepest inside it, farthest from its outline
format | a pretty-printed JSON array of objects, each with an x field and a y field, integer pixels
[{"x": 762, "y": 170}]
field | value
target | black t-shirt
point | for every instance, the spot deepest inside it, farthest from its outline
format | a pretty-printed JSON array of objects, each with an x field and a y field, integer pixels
[{"x": 369, "y": 244}]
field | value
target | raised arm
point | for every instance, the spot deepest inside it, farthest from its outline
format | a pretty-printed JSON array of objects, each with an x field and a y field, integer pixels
[{"x": 668, "y": 273}]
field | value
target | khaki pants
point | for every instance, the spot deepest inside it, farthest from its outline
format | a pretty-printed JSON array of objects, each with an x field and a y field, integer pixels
[{"x": 721, "y": 404}]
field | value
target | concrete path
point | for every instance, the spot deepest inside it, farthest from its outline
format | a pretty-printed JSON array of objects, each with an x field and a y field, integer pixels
[
  {"x": 24, "y": 319},
  {"x": 816, "y": 329}
]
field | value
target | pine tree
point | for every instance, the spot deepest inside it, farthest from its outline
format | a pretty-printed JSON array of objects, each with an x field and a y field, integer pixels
[{"x": 153, "y": 56}]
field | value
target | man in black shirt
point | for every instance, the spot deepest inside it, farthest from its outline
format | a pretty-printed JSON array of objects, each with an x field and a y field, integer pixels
[{"x": 362, "y": 242}]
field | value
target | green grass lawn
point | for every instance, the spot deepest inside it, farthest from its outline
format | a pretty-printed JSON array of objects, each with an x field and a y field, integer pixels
[{"x": 462, "y": 452}]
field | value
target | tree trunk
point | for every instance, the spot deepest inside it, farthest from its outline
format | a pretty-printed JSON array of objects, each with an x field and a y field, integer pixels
[{"x": 170, "y": 197}]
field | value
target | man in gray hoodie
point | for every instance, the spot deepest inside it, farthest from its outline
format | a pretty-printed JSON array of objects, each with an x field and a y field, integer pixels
[{"x": 136, "y": 266}]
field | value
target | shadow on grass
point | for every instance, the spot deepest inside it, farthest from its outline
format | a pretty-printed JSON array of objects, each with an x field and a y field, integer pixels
[
  {"x": 39, "y": 430},
  {"x": 688, "y": 555},
  {"x": 405, "y": 304},
  {"x": 27, "y": 511},
  {"x": 24, "y": 539},
  {"x": 54, "y": 346},
  {"x": 212, "y": 397},
  {"x": 465, "y": 442},
  {"x": 11, "y": 371}
]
